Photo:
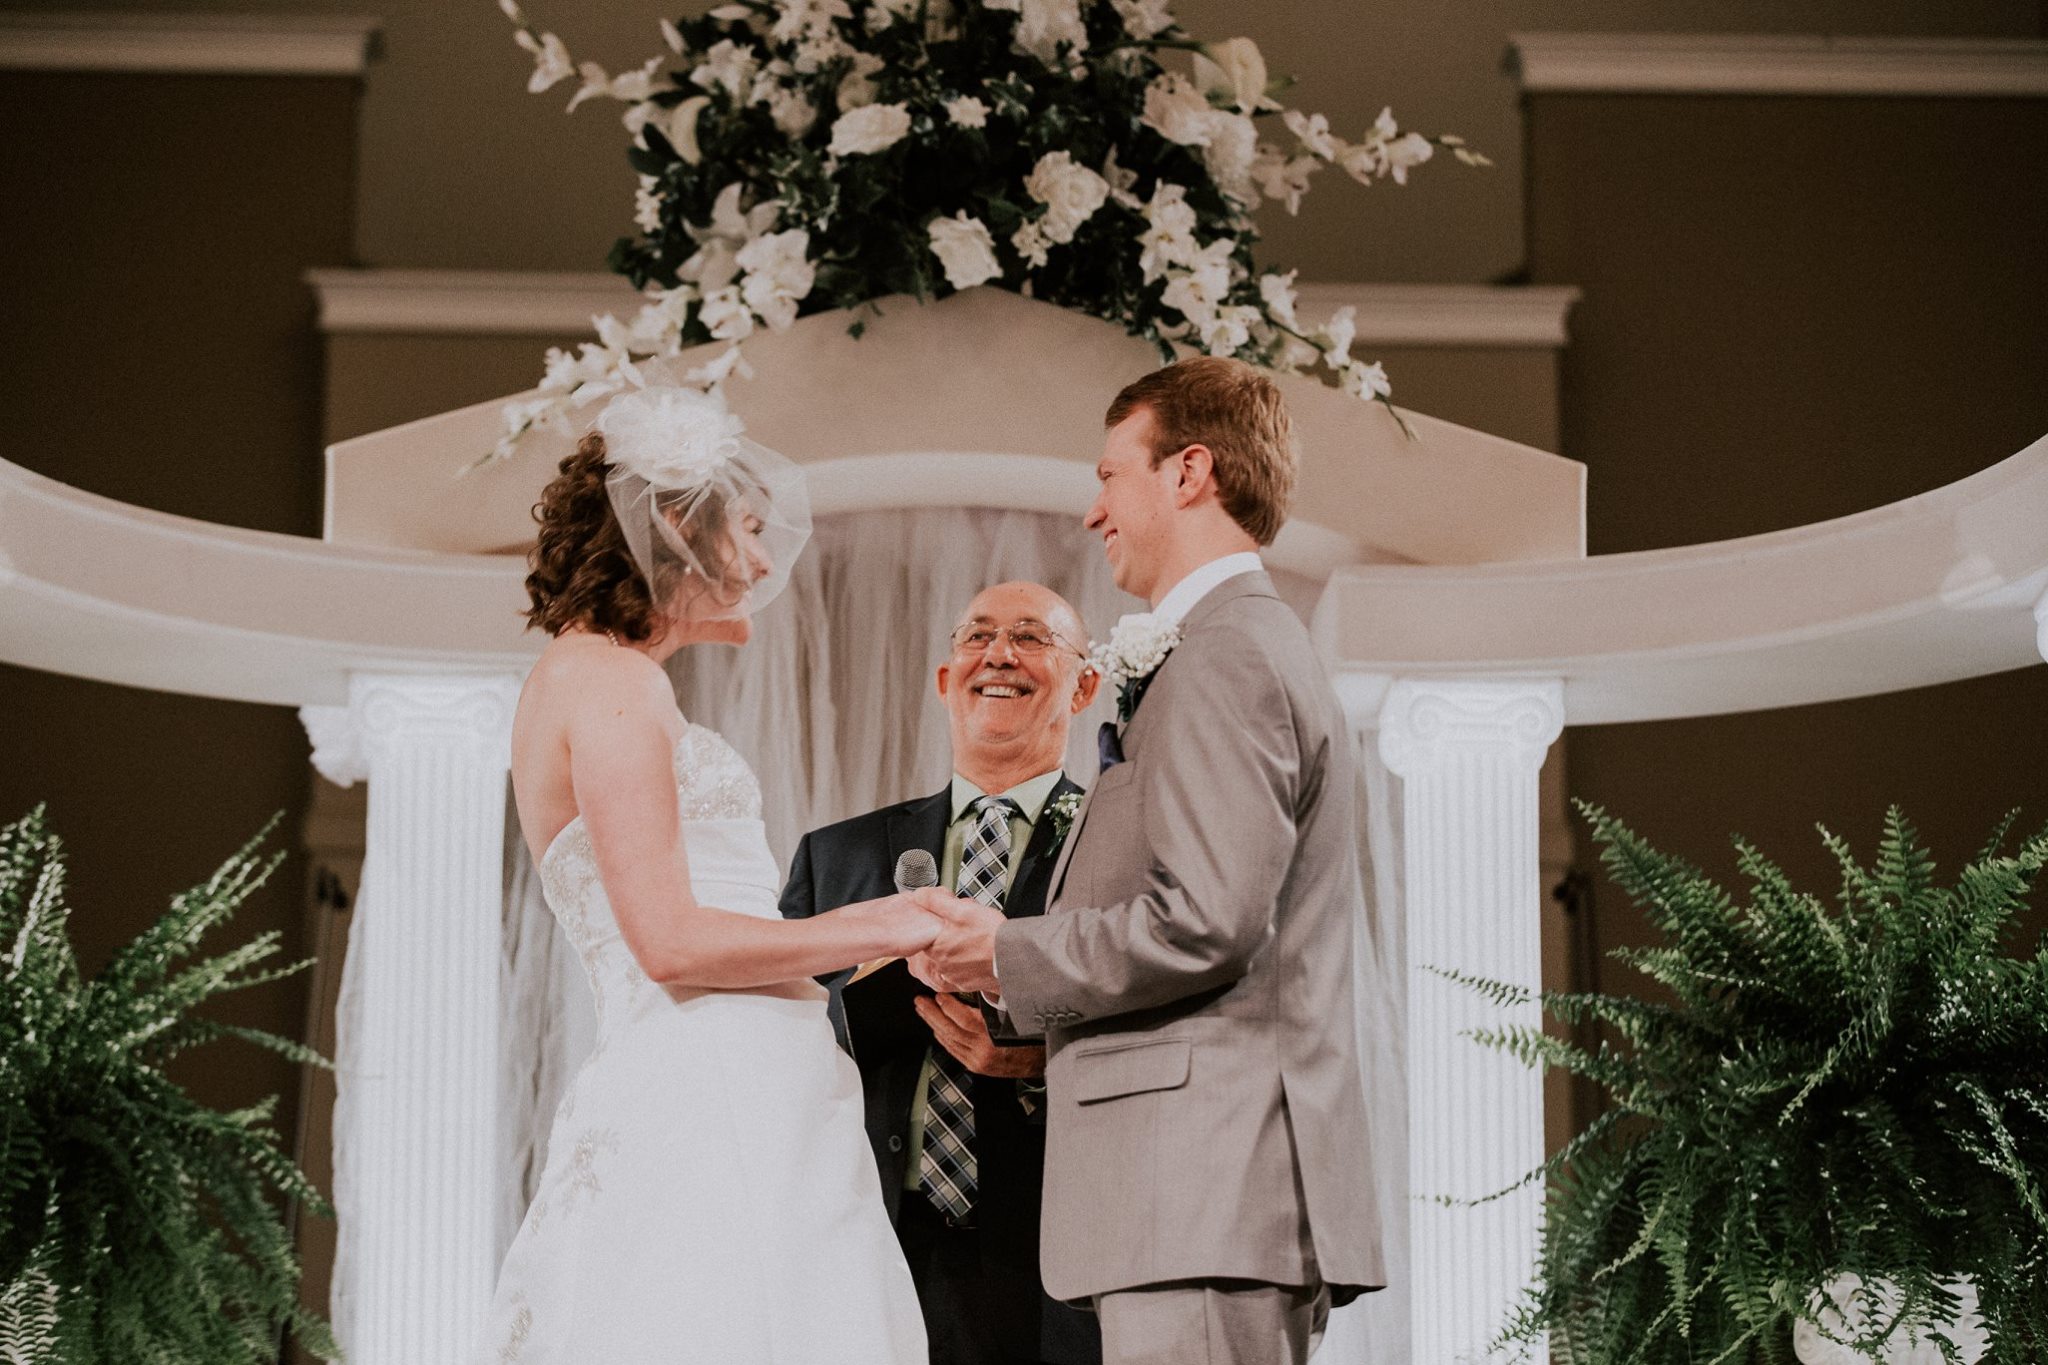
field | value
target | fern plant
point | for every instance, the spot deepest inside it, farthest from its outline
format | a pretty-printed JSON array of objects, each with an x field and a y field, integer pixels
[
  {"x": 136, "y": 1225},
  {"x": 1856, "y": 1088}
]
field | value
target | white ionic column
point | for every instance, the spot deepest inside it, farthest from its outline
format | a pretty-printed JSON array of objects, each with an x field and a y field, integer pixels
[
  {"x": 1468, "y": 754},
  {"x": 415, "y": 1130},
  {"x": 2041, "y": 626}
]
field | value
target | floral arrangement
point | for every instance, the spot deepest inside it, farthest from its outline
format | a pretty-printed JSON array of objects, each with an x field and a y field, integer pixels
[
  {"x": 797, "y": 156},
  {"x": 1062, "y": 812}
]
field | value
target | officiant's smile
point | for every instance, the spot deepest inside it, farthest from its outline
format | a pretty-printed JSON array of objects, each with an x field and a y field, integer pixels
[{"x": 1016, "y": 659}]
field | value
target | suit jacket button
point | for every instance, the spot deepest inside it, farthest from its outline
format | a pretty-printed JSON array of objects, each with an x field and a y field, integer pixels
[{"x": 895, "y": 1142}]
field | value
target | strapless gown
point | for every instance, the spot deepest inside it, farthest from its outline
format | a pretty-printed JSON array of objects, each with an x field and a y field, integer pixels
[{"x": 709, "y": 1194}]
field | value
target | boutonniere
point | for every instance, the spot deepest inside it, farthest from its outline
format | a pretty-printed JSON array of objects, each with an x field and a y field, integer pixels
[
  {"x": 1136, "y": 648},
  {"x": 1062, "y": 812}
]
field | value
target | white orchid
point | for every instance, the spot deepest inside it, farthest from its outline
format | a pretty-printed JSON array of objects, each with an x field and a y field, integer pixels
[
  {"x": 728, "y": 66},
  {"x": 869, "y": 129},
  {"x": 1277, "y": 292},
  {"x": 630, "y": 86},
  {"x": 681, "y": 128},
  {"x": 1234, "y": 72},
  {"x": 1365, "y": 381},
  {"x": 1313, "y": 131},
  {"x": 966, "y": 250},
  {"x": 1169, "y": 234},
  {"x": 779, "y": 275},
  {"x": 725, "y": 314},
  {"x": 716, "y": 261},
  {"x": 1283, "y": 177},
  {"x": 551, "y": 64},
  {"x": 1030, "y": 242}
]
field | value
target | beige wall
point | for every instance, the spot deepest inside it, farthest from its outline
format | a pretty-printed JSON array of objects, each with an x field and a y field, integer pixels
[
  {"x": 462, "y": 169},
  {"x": 158, "y": 349},
  {"x": 1796, "y": 309}
]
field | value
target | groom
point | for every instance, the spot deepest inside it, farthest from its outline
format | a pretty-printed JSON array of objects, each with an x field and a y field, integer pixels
[
  {"x": 1207, "y": 1184},
  {"x": 957, "y": 1122}
]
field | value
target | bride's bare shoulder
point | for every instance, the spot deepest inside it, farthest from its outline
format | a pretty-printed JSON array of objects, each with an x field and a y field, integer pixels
[{"x": 580, "y": 674}]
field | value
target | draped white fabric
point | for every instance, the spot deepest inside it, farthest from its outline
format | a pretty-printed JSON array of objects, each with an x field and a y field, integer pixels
[{"x": 834, "y": 705}]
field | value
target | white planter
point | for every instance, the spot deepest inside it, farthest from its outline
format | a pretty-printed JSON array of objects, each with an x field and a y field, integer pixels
[{"x": 1850, "y": 1305}]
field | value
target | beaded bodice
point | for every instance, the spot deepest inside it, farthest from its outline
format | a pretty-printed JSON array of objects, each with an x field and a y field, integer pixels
[{"x": 719, "y": 802}]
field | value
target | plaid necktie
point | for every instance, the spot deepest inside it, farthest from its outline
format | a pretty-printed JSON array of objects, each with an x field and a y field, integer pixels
[{"x": 946, "y": 1168}]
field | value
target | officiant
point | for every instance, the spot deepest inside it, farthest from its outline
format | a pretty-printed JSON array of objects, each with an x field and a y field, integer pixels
[{"x": 958, "y": 1122}]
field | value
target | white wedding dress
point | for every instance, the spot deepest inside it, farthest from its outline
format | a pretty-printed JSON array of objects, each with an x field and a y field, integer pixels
[{"x": 709, "y": 1194}]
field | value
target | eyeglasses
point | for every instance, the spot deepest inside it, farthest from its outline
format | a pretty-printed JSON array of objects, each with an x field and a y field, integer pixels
[{"x": 1025, "y": 637}]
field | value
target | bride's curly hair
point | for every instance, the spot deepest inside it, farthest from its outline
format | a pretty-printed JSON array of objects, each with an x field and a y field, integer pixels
[{"x": 580, "y": 572}]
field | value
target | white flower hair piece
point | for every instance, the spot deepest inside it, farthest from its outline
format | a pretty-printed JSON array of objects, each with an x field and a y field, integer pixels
[{"x": 672, "y": 437}]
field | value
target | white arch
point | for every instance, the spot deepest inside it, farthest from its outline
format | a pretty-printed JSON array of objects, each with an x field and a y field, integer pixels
[{"x": 1939, "y": 587}]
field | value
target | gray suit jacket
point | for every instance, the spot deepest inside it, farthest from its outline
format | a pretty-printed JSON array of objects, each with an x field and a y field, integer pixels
[{"x": 1193, "y": 980}]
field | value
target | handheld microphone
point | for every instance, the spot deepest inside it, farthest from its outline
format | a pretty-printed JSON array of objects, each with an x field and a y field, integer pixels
[{"x": 916, "y": 869}]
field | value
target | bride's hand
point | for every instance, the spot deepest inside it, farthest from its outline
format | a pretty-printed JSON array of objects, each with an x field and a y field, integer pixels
[{"x": 901, "y": 925}]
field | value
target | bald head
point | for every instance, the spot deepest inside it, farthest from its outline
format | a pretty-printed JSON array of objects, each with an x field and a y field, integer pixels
[{"x": 1009, "y": 708}]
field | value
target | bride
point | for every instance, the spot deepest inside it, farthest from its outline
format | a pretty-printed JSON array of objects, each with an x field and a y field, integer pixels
[{"x": 709, "y": 1193}]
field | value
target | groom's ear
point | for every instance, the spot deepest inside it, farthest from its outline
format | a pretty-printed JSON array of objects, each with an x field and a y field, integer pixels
[{"x": 1197, "y": 473}]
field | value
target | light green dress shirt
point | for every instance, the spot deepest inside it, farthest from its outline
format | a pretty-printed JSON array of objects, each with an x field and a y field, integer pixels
[{"x": 1030, "y": 798}]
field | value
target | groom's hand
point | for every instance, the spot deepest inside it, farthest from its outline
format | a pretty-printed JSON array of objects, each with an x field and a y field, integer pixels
[
  {"x": 964, "y": 953},
  {"x": 961, "y": 1030}
]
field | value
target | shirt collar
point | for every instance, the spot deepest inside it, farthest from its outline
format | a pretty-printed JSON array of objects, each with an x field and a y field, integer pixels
[
  {"x": 1030, "y": 796},
  {"x": 1183, "y": 596}
]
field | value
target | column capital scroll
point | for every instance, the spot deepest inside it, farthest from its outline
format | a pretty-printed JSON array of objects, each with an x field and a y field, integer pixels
[{"x": 1424, "y": 721}]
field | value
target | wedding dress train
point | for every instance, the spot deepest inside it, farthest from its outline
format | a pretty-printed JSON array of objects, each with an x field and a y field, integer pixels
[{"x": 709, "y": 1194}]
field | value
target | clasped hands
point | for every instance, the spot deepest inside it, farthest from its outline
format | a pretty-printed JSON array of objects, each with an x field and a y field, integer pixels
[{"x": 961, "y": 961}]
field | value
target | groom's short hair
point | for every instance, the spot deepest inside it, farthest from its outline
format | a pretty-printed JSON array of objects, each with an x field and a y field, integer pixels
[{"x": 1237, "y": 412}]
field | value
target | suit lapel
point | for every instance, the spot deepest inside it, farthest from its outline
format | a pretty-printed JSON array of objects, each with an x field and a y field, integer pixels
[{"x": 1028, "y": 890}]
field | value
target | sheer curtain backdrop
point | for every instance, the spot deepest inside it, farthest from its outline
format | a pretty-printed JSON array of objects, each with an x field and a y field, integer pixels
[{"x": 833, "y": 703}]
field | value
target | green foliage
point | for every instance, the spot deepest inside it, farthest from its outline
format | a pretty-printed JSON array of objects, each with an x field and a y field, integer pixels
[
  {"x": 1859, "y": 1088},
  {"x": 136, "y": 1225}
]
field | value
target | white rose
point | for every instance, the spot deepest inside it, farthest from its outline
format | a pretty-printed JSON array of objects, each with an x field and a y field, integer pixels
[
  {"x": 1143, "y": 18},
  {"x": 857, "y": 86},
  {"x": 967, "y": 112},
  {"x": 1044, "y": 26},
  {"x": 965, "y": 250},
  {"x": 1177, "y": 111},
  {"x": 1070, "y": 192},
  {"x": 869, "y": 129},
  {"x": 1235, "y": 71}
]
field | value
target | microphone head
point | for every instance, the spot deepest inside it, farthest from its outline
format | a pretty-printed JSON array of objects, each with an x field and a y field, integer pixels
[{"x": 916, "y": 868}]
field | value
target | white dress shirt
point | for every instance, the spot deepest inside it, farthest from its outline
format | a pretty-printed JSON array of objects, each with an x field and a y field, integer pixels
[{"x": 1181, "y": 599}]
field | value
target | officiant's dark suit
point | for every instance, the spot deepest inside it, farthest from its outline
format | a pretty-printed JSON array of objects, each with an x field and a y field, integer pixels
[{"x": 977, "y": 1274}]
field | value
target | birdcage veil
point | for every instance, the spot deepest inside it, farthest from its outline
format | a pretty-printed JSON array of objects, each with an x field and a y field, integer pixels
[{"x": 713, "y": 519}]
